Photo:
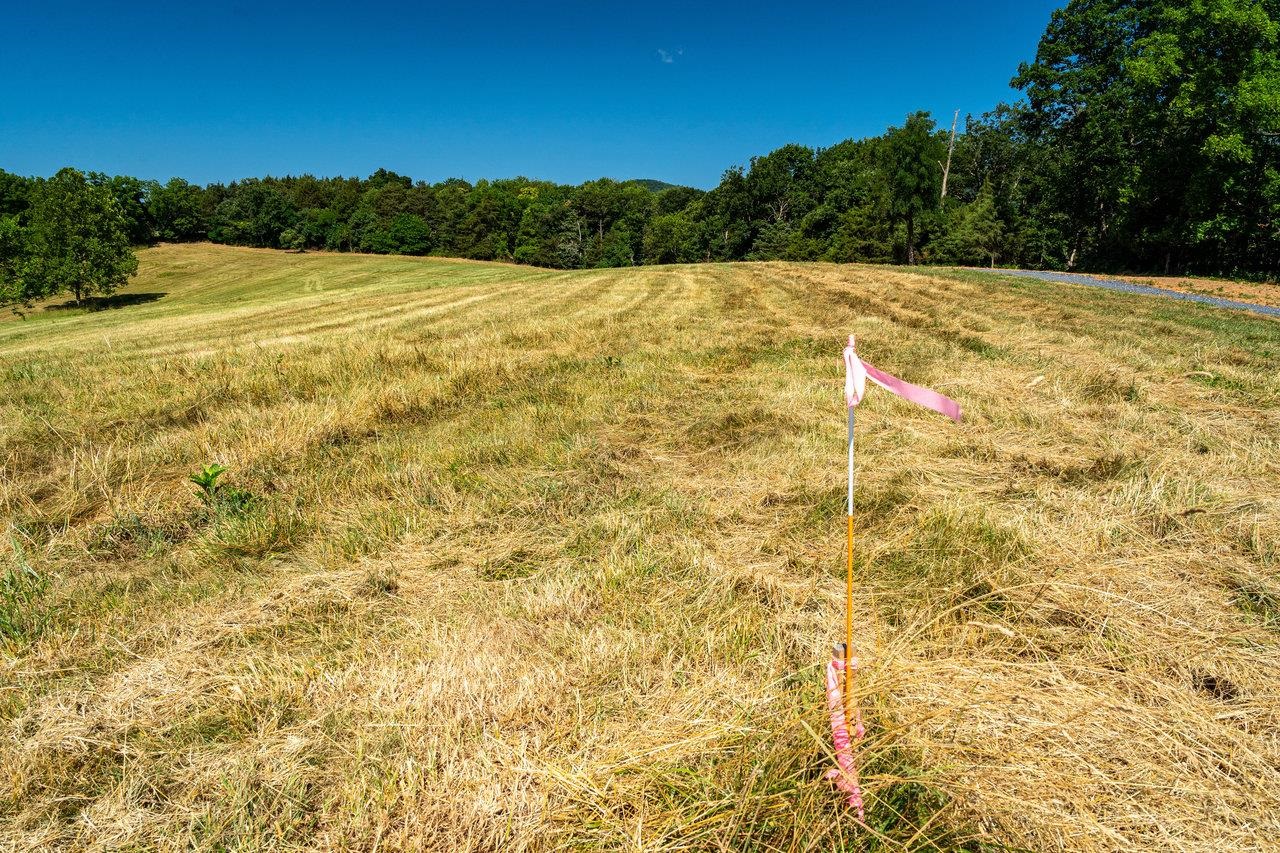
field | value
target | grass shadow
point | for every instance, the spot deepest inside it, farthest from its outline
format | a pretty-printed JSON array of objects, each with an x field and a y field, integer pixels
[{"x": 103, "y": 303}]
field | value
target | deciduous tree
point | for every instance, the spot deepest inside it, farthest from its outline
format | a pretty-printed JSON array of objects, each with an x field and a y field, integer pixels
[{"x": 78, "y": 239}]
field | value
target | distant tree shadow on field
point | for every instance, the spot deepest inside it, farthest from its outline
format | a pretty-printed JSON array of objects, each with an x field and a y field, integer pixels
[{"x": 102, "y": 303}]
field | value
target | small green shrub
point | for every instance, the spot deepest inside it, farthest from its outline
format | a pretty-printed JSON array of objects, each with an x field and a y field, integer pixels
[{"x": 219, "y": 498}]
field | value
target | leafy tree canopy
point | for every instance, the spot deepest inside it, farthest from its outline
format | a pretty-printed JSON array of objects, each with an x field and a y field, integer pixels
[{"x": 78, "y": 239}]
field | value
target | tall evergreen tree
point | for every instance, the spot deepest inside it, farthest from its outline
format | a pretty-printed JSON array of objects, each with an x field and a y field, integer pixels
[{"x": 915, "y": 178}]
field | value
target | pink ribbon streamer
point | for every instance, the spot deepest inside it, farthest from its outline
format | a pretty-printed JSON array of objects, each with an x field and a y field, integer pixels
[
  {"x": 857, "y": 372},
  {"x": 845, "y": 773}
]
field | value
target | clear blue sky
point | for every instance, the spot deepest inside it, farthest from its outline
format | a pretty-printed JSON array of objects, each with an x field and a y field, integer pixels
[{"x": 574, "y": 91}]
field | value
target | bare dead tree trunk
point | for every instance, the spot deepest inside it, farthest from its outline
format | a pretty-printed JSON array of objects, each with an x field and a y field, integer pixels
[{"x": 946, "y": 170}]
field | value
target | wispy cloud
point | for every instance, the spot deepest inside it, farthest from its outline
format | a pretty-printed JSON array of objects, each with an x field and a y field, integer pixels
[{"x": 668, "y": 57}]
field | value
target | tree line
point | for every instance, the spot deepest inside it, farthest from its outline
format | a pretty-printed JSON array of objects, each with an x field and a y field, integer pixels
[{"x": 1148, "y": 140}]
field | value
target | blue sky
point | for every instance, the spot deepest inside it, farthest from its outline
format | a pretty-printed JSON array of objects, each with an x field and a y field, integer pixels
[{"x": 567, "y": 92}]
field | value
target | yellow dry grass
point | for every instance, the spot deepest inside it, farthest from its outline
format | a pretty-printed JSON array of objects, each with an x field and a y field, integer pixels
[
  {"x": 550, "y": 560},
  {"x": 1260, "y": 293}
]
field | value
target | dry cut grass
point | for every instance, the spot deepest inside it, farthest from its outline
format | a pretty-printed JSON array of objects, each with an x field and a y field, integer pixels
[
  {"x": 526, "y": 560},
  {"x": 1260, "y": 293}
]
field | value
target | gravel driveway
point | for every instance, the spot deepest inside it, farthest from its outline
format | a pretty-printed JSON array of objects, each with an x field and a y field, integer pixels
[{"x": 1144, "y": 289}]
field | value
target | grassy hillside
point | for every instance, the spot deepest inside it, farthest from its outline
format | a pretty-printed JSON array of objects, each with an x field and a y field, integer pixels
[{"x": 515, "y": 559}]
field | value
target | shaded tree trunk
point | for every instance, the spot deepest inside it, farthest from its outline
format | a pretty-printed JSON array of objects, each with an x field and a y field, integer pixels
[{"x": 911, "y": 240}]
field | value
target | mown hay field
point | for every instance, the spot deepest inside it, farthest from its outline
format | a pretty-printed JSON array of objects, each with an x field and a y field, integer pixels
[{"x": 525, "y": 560}]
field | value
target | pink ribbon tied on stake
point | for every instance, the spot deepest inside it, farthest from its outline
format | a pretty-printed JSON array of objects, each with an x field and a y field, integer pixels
[
  {"x": 845, "y": 773},
  {"x": 857, "y": 372}
]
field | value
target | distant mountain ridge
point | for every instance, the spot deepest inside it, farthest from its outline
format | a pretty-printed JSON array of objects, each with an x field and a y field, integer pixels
[{"x": 652, "y": 185}]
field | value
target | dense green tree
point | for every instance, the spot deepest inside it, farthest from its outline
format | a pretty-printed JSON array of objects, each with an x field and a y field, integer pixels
[
  {"x": 131, "y": 197},
  {"x": 448, "y": 212},
  {"x": 571, "y": 240},
  {"x": 340, "y": 238},
  {"x": 384, "y": 177},
  {"x": 618, "y": 249},
  {"x": 865, "y": 235},
  {"x": 670, "y": 239},
  {"x": 407, "y": 234},
  {"x": 774, "y": 242},
  {"x": 539, "y": 234},
  {"x": 1167, "y": 114},
  {"x": 316, "y": 226},
  {"x": 599, "y": 203},
  {"x": 675, "y": 199},
  {"x": 970, "y": 233},
  {"x": 12, "y": 259},
  {"x": 628, "y": 231},
  {"x": 254, "y": 213},
  {"x": 78, "y": 239},
  {"x": 293, "y": 240},
  {"x": 14, "y": 193},
  {"x": 780, "y": 184},
  {"x": 177, "y": 211},
  {"x": 307, "y": 192},
  {"x": 489, "y": 227},
  {"x": 915, "y": 179},
  {"x": 726, "y": 218}
]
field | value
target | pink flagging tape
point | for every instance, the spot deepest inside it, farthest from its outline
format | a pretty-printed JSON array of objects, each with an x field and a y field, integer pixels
[
  {"x": 857, "y": 372},
  {"x": 855, "y": 376},
  {"x": 926, "y": 397},
  {"x": 845, "y": 773}
]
